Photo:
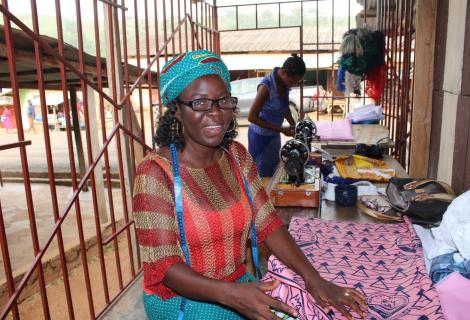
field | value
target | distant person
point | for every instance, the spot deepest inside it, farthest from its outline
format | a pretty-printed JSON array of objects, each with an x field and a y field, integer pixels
[
  {"x": 268, "y": 111},
  {"x": 31, "y": 113},
  {"x": 7, "y": 119}
]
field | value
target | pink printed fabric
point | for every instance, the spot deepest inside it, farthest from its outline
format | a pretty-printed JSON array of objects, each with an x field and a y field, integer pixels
[
  {"x": 384, "y": 261},
  {"x": 338, "y": 130}
]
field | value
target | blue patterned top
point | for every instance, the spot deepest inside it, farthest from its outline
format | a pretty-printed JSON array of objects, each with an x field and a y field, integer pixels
[{"x": 274, "y": 108}]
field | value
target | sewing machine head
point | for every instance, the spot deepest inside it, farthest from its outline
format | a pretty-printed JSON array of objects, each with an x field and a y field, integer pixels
[
  {"x": 306, "y": 131},
  {"x": 294, "y": 154}
]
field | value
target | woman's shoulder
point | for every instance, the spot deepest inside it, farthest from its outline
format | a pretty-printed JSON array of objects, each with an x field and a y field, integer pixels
[
  {"x": 240, "y": 153},
  {"x": 153, "y": 161}
]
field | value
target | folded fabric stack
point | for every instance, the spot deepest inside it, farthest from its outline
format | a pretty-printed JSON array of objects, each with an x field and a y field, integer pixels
[
  {"x": 338, "y": 130},
  {"x": 450, "y": 250},
  {"x": 368, "y": 114}
]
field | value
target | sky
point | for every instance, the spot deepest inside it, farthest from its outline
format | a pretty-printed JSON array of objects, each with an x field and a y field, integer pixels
[{"x": 47, "y": 7}]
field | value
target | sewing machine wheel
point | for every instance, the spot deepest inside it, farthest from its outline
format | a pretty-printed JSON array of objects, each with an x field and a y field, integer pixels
[
  {"x": 306, "y": 131},
  {"x": 294, "y": 155}
]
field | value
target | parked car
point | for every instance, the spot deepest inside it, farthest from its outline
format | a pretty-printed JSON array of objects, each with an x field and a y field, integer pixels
[{"x": 245, "y": 90}]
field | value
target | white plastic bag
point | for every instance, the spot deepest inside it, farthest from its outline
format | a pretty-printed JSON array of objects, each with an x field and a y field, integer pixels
[{"x": 367, "y": 112}]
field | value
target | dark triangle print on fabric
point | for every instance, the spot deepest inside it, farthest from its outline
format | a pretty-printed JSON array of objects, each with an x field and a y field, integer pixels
[{"x": 383, "y": 261}]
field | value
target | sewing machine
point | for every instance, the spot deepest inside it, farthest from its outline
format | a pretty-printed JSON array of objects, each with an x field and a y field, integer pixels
[{"x": 297, "y": 180}]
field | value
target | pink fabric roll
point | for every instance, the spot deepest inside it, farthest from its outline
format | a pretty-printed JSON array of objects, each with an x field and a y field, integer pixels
[
  {"x": 454, "y": 293},
  {"x": 338, "y": 130},
  {"x": 383, "y": 261}
]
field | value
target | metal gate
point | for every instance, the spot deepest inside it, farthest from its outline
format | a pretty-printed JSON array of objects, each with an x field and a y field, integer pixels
[{"x": 112, "y": 148}]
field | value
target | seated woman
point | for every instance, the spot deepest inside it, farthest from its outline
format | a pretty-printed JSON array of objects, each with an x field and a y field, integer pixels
[{"x": 193, "y": 211}]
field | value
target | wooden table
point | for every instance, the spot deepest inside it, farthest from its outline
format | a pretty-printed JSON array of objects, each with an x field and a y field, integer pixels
[{"x": 329, "y": 210}]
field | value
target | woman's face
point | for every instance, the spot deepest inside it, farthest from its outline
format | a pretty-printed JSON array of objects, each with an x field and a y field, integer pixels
[
  {"x": 290, "y": 81},
  {"x": 204, "y": 128}
]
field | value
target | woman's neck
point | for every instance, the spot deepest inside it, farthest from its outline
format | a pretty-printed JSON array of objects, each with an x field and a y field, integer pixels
[
  {"x": 279, "y": 84},
  {"x": 197, "y": 156}
]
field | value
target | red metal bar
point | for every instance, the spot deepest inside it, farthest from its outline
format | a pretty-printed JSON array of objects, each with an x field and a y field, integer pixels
[
  {"x": 116, "y": 233},
  {"x": 144, "y": 73},
  {"x": 157, "y": 47},
  {"x": 332, "y": 56},
  {"x": 301, "y": 41},
  {"x": 406, "y": 107},
  {"x": 139, "y": 83},
  {"x": 216, "y": 34},
  {"x": 89, "y": 148},
  {"x": 135, "y": 137},
  {"x": 7, "y": 264},
  {"x": 172, "y": 15},
  {"x": 149, "y": 75},
  {"x": 399, "y": 92},
  {"x": 24, "y": 164},
  {"x": 57, "y": 225},
  {"x": 114, "y": 4},
  {"x": 15, "y": 145},
  {"x": 179, "y": 31},
  {"x": 165, "y": 38},
  {"x": 72, "y": 162},
  {"x": 394, "y": 80},
  {"x": 147, "y": 41},
  {"x": 50, "y": 164},
  {"x": 103, "y": 132},
  {"x": 119, "y": 153},
  {"x": 207, "y": 25},
  {"x": 193, "y": 47},
  {"x": 53, "y": 52},
  {"x": 185, "y": 27},
  {"x": 126, "y": 81}
]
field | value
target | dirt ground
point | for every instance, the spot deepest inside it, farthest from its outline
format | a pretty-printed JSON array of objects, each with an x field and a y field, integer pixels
[{"x": 31, "y": 308}]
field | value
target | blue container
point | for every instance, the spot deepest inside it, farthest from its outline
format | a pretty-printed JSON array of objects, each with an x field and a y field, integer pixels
[{"x": 346, "y": 195}]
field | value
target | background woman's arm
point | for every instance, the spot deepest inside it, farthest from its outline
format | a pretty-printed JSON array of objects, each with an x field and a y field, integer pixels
[{"x": 255, "y": 110}]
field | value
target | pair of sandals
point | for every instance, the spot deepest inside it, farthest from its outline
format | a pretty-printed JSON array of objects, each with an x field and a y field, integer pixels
[{"x": 379, "y": 208}]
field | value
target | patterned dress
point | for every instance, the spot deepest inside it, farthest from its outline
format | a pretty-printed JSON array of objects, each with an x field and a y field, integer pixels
[{"x": 217, "y": 216}]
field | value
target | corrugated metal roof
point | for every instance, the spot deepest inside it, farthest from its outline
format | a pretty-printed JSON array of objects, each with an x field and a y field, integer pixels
[
  {"x": 280, "y": 40},
  {"x": 261, "y": 40}
]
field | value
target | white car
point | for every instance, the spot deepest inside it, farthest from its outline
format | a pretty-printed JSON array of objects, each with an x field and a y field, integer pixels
[{"x": 245, "y": 90}]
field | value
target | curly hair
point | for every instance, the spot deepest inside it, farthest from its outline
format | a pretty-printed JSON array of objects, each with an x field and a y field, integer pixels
[
  {"x": 294, "y": 66},
  {"x": 166, "y": 135}
]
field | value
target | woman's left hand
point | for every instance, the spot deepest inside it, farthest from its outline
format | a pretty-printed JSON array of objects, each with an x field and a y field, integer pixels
[{"x": 327, "y": 293}]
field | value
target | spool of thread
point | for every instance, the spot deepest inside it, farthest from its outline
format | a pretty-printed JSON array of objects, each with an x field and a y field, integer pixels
[{"x": 346, "y": 195}]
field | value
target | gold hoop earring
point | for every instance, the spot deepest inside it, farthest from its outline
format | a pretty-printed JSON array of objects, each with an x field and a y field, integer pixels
[
  {"x": 233, "y": 126},
  {"x": 177, "y": 129}
]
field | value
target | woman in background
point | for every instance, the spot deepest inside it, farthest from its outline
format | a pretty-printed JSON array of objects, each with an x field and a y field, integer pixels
[
  {"x": 268, "y": 111},
  {"x": 7, "y": 119}
]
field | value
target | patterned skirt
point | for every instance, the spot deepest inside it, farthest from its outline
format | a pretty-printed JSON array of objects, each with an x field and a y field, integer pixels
[
  {"x": 158, "y": 309},
  {"x": 265, "y": 152}
]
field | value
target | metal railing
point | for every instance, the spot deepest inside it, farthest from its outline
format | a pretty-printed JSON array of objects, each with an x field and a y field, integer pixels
[
  {"x": 397, "y": 23},
  {"x": 316, "y": 45},
  {"x": 194, "y": 29}
]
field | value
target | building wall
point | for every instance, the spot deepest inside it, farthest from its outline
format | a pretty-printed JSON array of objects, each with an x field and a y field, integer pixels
[{"x": 450, "y": 137}]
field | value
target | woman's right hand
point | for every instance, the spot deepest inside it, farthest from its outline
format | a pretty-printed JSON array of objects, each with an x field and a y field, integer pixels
[
  {"x": 251, "y": 300},
  {"x": 288, "y": 131}
]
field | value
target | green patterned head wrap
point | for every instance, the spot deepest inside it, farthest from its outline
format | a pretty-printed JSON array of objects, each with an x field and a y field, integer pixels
[{"x": 183, "y": 69}]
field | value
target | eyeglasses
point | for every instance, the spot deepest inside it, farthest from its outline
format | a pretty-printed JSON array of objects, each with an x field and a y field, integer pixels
[{"x": 205, "y": 104}]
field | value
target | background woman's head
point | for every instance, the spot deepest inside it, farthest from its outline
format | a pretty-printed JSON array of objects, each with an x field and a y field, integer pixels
[
  {"x": 293, "y": 70},
  {"x": 191, "y": 76}
]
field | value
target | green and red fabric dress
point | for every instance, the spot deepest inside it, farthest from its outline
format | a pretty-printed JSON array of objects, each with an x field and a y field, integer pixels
[{"x": 217, "y": 217}]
